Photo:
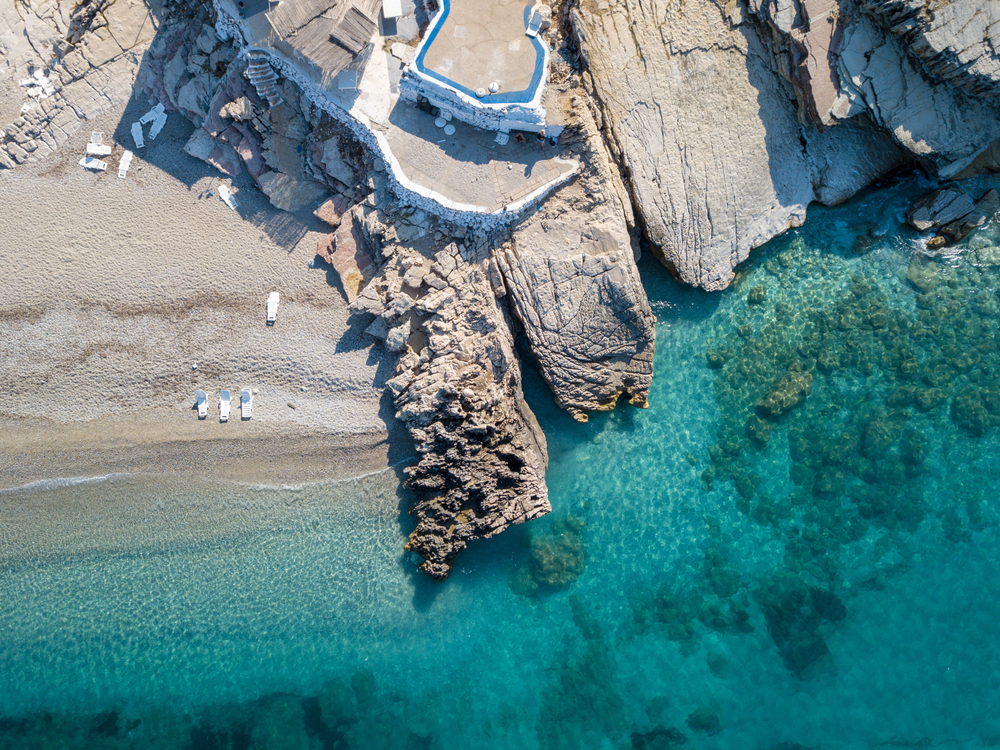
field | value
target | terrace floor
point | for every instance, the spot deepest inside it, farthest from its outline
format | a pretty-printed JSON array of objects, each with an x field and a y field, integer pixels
[
  {"x": 469, "y": 167},
  {"x": 481, "y": 42}
]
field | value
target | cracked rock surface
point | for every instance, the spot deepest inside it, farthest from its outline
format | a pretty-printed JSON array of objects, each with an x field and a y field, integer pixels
[
  {"x": 457, "y": 388},
  {"x": 729, "y": 118},
  {"x": 89, "y": 52},
  {"x": 957, "y": 42},
  {"x": 575, "y": 288}
]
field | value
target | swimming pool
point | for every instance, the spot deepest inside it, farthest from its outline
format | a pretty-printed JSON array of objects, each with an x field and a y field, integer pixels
[{"x": 470, "y": 45}]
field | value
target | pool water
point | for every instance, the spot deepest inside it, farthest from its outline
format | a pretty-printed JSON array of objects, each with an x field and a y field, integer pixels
[{"x": 797, "y": 545}]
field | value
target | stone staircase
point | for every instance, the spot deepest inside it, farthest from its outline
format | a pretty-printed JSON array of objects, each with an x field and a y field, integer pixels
[{"x": 263, "y": 77}]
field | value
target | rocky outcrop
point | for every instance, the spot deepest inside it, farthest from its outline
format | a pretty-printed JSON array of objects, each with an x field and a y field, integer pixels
[
  {"x": 707, "y": 133},
  {"x": 955, "y": 42},
  {"x": 347, "y": 250},
  {"x": 88, "y": 55},
  {"x": 575, "y": 288},
  {"x": 952, "y": 213},
  {"x": 730, "y": 118},
  {"x": 457, "y": 388}
]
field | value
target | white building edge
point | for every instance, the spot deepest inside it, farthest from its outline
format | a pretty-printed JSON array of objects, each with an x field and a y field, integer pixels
[
  {"x": 500, "y": 116},
  {"x": 489, "y": 116}
]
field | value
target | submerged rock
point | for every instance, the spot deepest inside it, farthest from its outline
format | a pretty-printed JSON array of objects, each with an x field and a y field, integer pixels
[
  {"x": 279, "y": 723},
  {"x": 786, "y": 394},
  {"x": 557, "y": 559}
]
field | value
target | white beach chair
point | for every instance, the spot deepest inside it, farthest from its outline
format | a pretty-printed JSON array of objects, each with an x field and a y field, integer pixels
[
  {"x": 226, "y": 195},
  {"x": 225, "y": 404},
  {"x": 95, "y": 164},
  {"x": 157, "y": 126},
  {"x": 137, "y": 135},
  {"x": 202, "y": 400},
  {"x": 96, "y": 149},
  {"x": 534, "y": 24},
  {"x": 246, "y": 403},
  {"x": 272, "y": 307},
  {"x": 124, "y": 164},
  {"x": 152, "y": 114}
]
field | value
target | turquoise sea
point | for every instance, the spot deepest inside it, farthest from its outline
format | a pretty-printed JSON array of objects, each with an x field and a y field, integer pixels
[{"x": 796, "y": 546}]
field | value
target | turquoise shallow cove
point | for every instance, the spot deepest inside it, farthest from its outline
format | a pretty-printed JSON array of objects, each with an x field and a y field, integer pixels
[{"x": 796, "y": 546}]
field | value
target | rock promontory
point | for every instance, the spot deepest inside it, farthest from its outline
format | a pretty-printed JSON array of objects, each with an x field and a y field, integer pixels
[
  {"x": 456, "y": 387},
  {"x": 576, "y": 290}
]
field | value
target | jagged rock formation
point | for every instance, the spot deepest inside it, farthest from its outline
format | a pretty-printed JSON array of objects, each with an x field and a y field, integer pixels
[
  {"x": 576, "y": 290},
  {"x": 957, "y": 42},
  {"x": 278, "y": 136},
  {"x": 457, "y": 388},
  {"x": 846, "y": 60},
  {"x": 952, "y": 213},
  {"x": 730, "y": 118},
  {"x": 87, "y": 51}
]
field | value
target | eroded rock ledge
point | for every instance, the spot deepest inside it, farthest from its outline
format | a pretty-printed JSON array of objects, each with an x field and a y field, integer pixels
[
  {"x": 575, "y": 288},
  {"x": 457, "y": 388}
]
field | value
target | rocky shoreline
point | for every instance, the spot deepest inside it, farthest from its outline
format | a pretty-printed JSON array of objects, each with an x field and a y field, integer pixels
[{"x": 707, "y": 128}]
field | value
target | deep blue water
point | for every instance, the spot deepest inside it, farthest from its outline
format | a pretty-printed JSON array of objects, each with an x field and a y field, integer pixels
[{"x": 823, "y": 577}]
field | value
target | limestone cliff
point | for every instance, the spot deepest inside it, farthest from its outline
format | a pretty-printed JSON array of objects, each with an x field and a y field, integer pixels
[{"x": 730, "y": 118}]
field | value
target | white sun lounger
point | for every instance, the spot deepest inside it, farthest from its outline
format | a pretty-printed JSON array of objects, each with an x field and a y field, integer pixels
[
  {"x": 534, "y": 24},
  {"x": 202, "y": 401},
  {"x": 96, "y": 164},
  {"x": 272, "y": 307},
  {"x": 246, "y": 403},
  {"x": 226, "y": 195},
  {"x": 157, "y": 126},
  {"x": 124, "y": 164},
  {"x": 225, "y": 404},
  {"x": 137, "y": 135},
  {"x": 97, "y": 149},
  {"x": 152, "y": 114}
]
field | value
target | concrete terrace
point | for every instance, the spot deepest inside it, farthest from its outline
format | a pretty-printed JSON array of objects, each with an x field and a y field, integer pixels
[
  {"x": 469, "y": 167},
  {"x": 465, "y": 170},
  {"x": 481, "y": 42}
]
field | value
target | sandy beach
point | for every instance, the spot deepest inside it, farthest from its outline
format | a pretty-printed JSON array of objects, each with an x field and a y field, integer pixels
[{"x": 122, "y": 297}]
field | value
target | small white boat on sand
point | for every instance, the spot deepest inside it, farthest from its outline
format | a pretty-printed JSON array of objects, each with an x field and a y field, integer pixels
[
  {"x": 272, "y": 307},
  {"x": 246, "y": 403},
  {"x": 202, "y": 400},
  {"x": 225, "y": 404}
]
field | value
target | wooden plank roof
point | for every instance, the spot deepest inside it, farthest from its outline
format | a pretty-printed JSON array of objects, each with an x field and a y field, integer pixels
[
  {"x": 330, "y": 34},
  {"x": 354, "y": 32},
  {"x": 292, "y": 15}
]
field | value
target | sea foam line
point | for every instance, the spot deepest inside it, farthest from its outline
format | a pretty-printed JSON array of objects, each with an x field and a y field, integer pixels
[
  {"x": 326, "y": 482},
  {"x": 41, "y": 485}
]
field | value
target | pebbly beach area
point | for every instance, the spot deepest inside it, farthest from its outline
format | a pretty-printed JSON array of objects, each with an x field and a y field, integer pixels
[{"x": 124, "y": 296}]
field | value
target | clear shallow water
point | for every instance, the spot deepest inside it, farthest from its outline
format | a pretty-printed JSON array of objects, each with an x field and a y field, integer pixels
[{"x": 823, "y": 578}]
